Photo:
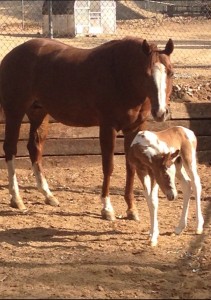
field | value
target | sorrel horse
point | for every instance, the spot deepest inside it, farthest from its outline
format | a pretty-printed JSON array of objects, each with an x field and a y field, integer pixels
[
  {"x": 113, "y": 86},
  {"x": 160, "y": 156}
]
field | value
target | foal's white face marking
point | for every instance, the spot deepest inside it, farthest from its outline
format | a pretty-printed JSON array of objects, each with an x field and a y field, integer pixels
[
  {"x": 159, "y": 75},
  {"x": 150, "y": 144}
]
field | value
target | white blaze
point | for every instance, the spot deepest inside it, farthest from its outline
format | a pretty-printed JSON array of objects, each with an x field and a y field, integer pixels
[{"x": 159, "y": 75}]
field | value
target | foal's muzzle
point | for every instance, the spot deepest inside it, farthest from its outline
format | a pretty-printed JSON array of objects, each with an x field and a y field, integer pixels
[
  {"x": 171, "y": 195},
  {"x": 161, "y": 115}
]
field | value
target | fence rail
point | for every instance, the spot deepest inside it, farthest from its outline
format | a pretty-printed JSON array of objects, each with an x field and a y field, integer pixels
[
  {"x": 65, "y": 142},
  {"x": 89, "y": 23}
]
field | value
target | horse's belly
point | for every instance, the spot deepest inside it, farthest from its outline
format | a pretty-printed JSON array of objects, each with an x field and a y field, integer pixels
[{"x": 72, "y": 116}]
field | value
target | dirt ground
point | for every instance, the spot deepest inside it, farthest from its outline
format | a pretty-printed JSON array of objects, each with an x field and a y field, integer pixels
[{"x": 70, "y": 252}]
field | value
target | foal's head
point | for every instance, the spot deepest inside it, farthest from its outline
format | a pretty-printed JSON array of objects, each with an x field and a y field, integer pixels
[
  {"x": 160, "y": 71},
  {"x": 164, "y": 170},
  {"x": 156, "y": 154}
]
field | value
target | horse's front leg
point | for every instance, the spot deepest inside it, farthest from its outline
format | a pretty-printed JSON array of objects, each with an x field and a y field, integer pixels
[
  {"x": 38, "y": 134},
  {"x": 132, "y": 212},
  {"x": 12, "y": 128},
  {"x": 107, "y": 144}
]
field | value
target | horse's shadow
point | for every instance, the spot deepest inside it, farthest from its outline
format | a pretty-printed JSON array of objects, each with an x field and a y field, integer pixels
[
  {"x": 25, "y": 237},
  {"x": 76, "y": 189}
]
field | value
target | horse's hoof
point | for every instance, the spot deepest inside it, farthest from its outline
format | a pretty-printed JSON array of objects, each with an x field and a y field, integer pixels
[
  {"x": 18, "y": 204},
  {"x": 108, "y": 215},
  {"x": 133, "y": 215},
  {"x": 51, "y": 200}
]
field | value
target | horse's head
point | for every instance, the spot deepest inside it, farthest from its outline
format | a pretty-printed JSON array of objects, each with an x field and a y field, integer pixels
[
  {"x": 160, "y": 73},
  {"x": 165, "y": 171}
]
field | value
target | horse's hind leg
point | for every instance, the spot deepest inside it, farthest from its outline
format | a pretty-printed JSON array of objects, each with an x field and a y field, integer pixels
[
  {"x": 38, "y": 133},
  {"x": 107, "y": 143},
  {"x": 12, "y": 128}
]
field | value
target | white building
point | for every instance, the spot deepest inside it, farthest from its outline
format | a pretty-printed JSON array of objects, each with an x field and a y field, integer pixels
[{"x": 80, "y": 17}]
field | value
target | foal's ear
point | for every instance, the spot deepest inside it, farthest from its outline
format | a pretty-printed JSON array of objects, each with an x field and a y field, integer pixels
[
  {"x": 175, "y": 154},
  {"x": 146, "y": 48},
  {"x": 169, "y": 47},
  {"x": 169, "y": 158}
]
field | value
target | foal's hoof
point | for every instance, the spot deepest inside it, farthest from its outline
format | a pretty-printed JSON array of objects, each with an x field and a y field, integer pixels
[
  {"x": 51, "y": 200},
  {"x": 178, "y": 230},
  {"x": 18, "y": 204},
  {"x": 108, "y": 215},
  {"x": 199, "y": 231},
  {"x": 153, "y": 243},
  {"x": 133, "y": 215}
]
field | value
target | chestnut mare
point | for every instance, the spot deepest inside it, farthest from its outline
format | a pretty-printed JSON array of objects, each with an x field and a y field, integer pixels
[{"x": 113, "y": 86}]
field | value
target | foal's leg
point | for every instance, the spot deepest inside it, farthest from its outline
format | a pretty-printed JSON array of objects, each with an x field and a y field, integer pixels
[
  {"x": 12, "y": 128},
  {"x": 38, "y": 133},
  {"x": 186, "y": 190},
  {"x": 107, "y": 143},
  {"x": 196, "y": 186},
  {"x": 151, "y": 193}
]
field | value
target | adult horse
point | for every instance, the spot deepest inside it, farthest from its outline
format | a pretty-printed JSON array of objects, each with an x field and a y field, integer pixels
[{"x": 113, "y": 86}]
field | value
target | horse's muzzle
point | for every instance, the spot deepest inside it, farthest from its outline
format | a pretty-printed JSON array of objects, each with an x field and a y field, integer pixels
[{"x": 160, "y": 116}]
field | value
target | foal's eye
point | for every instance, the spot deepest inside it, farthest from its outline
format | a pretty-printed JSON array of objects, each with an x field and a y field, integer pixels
[{"x": 170, "y": 74}]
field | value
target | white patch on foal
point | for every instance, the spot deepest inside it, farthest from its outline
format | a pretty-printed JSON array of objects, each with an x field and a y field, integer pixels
[
  {"x": 159, "y": 75},
  {"x": 150, "y": 144}
]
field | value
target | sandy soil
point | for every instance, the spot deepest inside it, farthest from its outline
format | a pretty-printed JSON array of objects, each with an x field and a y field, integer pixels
[{"x": 70, "y": 252}]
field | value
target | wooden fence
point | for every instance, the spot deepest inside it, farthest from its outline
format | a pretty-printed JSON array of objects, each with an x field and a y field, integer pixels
[{"x": 64, "y": 142}]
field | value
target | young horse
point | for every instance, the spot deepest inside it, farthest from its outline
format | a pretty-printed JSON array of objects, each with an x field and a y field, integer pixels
[
  {"x": 113, "y": 86},
  {"x": 159, "y": 157}
]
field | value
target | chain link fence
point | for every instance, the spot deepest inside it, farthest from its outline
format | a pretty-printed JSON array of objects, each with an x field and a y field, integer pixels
[{"x": 87, "y": 23}]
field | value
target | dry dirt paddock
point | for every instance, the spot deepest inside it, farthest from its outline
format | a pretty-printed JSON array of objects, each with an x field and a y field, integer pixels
[{"x": 70, "y": 252}]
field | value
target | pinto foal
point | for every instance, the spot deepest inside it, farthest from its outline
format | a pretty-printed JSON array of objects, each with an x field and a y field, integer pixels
[{"x": 160, "y": 156}]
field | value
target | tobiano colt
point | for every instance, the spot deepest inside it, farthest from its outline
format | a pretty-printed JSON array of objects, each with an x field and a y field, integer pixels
[{"x": 159, "y": 157}]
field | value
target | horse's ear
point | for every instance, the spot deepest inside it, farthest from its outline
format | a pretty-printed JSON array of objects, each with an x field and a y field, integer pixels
[
  {"x": 146, "y": 48},
  {"x": 169, "y": 47}
]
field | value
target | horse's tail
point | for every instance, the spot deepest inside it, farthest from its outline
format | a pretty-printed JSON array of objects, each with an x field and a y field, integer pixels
[{"x": 2, "y": 115}]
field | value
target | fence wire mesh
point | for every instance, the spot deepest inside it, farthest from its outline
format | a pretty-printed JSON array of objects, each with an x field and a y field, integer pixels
[{"x": 87, "y": 23}]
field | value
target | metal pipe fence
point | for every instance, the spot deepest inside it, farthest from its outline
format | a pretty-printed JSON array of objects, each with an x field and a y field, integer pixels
[{"x": 87, "y": 23}]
